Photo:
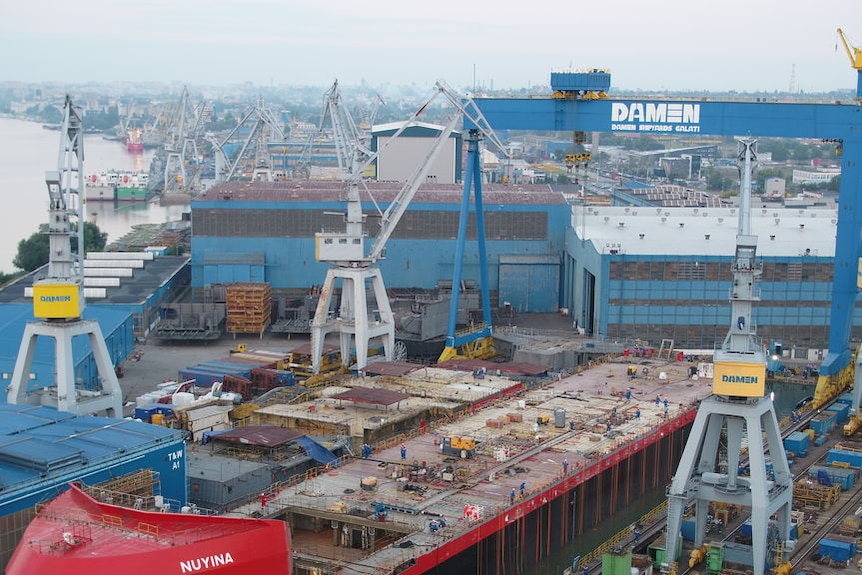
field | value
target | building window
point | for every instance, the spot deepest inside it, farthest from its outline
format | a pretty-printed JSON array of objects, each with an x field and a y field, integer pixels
[{"x": 687, "y": 271}]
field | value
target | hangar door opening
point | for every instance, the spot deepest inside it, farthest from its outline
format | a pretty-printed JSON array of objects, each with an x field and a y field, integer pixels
[{"x": 530, "y": 284}]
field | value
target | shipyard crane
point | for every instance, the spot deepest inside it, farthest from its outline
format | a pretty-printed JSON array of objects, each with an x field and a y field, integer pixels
[
  {"x": 349, "y": 139},
  {"x": 477, "y": 341},
  {"x": 357, "y": 270},
  {"x": 352, "y": 267},
  {"x": 738, "y": 409},
  {"x": 855, "y": 55},
  {"x": 264, "y": 129},
  {"x": 58, "y": 298},
  {"x": 350, "y": 145}
]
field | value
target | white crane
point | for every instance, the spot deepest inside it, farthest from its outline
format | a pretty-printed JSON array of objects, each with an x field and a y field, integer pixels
[
  {"x": 58, "y": 298},
  {"x": 352, "y": 267},
  {"x": 738, "y": 410},
  {"x": 264, "y": 129}
]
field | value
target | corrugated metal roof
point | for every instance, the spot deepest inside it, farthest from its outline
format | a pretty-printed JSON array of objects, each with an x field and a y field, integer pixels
[
  {"x": 705, "y": 231},
  {"x": 393, "y": 368},
  {"x": 259, "y": 435},
  {"x": 373, "y": 396},
  {"x": 384, "y": 192},
  {"x": 132, "y": 290},
  {"x": 507, "y": 367},
  {"x": 41, "y": 443}
]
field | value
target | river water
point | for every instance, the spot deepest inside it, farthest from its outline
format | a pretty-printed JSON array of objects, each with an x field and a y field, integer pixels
[{"x": 27, "y": 151}]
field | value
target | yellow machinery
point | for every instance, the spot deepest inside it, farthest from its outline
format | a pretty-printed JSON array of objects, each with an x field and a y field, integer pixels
[
  {"x": 482, "y": 348},
  {"x": 855, "y": 55},
  {"x": 853, "y": 52},
  {"x": 697, "y": 555},
  {"x": 543, "y": 419},
  {"x": 463, "y": 447}
]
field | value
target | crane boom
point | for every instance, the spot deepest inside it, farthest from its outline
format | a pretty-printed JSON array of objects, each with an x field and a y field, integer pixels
[
  {"x": 855, "y": 55},
  {"x": 853, "y": 52},
  {"x": 66, "y": 193},
  {"x": 399, "y": 204}
]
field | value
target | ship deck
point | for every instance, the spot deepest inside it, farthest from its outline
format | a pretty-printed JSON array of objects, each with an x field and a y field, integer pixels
[{"x": 608, "y": 416}]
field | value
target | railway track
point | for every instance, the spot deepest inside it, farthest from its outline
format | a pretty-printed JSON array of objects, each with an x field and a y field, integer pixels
[{"x": 807, "y": 544}]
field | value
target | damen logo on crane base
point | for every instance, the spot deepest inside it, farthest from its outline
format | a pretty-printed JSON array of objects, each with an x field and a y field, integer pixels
[{"x": 655, "y": 117}]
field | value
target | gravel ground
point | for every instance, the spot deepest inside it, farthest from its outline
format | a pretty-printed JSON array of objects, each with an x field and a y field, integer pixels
[{"x": 162, "y": 361}]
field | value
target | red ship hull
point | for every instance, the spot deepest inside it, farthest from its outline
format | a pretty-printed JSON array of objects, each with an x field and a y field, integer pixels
[
  {"x": 134, "y": 147},
  {"x": 78, "y": 534}
]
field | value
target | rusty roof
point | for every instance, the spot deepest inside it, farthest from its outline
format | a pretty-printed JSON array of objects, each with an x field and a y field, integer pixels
[
  {"x": 328, "y": 191},
  {"x": 371, "y": 395},
  {"x": 259, "y": 435},
  {"x": 507, "y": 367},
  {"x": 305, "y": 348},
  {"x": 394, "y": 368}
]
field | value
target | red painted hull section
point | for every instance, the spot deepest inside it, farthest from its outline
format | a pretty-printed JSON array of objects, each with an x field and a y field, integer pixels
[
  {"x": 77, "y": 534},
  {"x": 430, "y": 560}
]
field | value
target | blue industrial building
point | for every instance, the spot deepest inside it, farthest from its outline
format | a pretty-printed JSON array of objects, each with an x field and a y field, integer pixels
[
  {"x": 116, "y": 326},
  {"x": 665, "y": 273},
  {"x": 42, "y": 450},
  {"x": 264, "y": 232},
  {"x": 127, "y": 312}
]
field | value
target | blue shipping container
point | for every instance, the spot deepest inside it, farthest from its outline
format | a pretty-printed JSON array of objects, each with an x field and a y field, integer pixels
[
  {"x": 838, "y": 547},
  {"x": 823, "y": 422},
  {"x": 842, "y": 412},
  {"x": 797, "y": 443},
  {"x": 851, "y": 458}
]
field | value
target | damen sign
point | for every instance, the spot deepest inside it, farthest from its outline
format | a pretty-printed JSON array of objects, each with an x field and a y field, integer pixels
[{"x": 655, "y": 117}]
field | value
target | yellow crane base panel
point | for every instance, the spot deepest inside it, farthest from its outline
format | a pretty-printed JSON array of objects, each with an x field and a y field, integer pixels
[{"x": 480, "y": 349}]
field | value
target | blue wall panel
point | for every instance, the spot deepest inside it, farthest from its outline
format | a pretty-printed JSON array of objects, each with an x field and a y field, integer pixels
[{"x": 530, "y": 288}]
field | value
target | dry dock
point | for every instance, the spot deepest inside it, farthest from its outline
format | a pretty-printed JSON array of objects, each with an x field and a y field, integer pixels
[{"x": 552, "y": 459}]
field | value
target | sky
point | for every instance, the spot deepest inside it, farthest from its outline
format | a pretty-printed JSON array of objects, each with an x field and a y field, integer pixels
[{"x": 674, "y": 45}]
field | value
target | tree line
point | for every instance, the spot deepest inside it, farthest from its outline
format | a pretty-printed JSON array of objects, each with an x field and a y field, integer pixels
[{"x": 33, "y": 252}]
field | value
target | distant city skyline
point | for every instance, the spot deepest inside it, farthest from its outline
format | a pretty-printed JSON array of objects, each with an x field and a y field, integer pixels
[{"x": 673, "y": 45}]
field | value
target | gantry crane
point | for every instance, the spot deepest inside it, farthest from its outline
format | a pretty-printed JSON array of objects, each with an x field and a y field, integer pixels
[
  {"x": 58, "y": 298},
  {"x": 476, "y": 342},
  {"x": 356, "y": 270},
  {"x": 738, "y": 408},
  {"x": 855, "y": 55}
]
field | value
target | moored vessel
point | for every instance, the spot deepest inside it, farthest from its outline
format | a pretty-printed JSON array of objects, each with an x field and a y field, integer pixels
[{"x": 135, "y": 140}]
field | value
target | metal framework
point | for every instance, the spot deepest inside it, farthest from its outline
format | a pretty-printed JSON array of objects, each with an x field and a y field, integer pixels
[
  {"x": 750, "y": 415},
  {"x": 836, "y": 122},
  {"x": 264, "y": 128},
  {"x": 352, "y": 268},
  {"x": 356, "y": 271},
  {"x": 697, "y": 477},
  {"x": 59, "y": 297}
]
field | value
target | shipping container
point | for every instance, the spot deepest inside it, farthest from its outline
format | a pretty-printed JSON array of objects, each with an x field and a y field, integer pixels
[
  {"x": 843, "y": 477},
  {"x": 823, "y": 422},
  {"x": 797, "y": 443},
  {"x": 838, "y": 456},
  {"x": 838, "y": 547},
  {"x": 842, "y": 411}
]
